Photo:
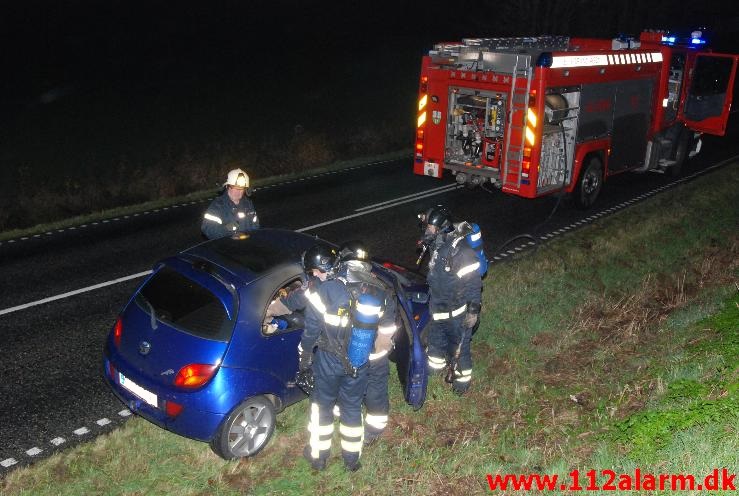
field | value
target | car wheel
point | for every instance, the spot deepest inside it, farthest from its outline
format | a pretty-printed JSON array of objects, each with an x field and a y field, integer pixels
[
  {"x": 589, "y": 183},
  {"x": 246, "y": 430}
]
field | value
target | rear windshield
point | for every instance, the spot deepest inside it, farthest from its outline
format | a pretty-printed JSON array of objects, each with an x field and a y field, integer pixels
[{"x": 183, "y": 303}]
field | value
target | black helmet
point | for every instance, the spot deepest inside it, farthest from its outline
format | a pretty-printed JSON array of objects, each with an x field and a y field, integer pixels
[
  {"x": 320, "y": 257},
  {"x": 353, "y": 250},
  {"x": 438, "y": 216}
]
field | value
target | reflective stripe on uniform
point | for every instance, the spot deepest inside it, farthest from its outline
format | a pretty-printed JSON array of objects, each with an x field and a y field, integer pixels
[
  {"x": 336, "y": 320},
  {"x": 213, "y": 218},
  {"x": 376, "y": 421},
  {"x": 453, "y": 313},
  {"x": 467, "y": 269},
  {"x": 387, "y": 329},
  {"x": 254, "y": 220},
  {"x": 436, "y": 363},
  {"x": 337, "y": 411},
  {"x": 317, "y": 431},
  {"x": 315, "y": 300},
  {"x": 365, "y": 309},
  {"x": 379, "y": 354},
  {"x": 348, "y": 431},
  {"x": 463, "y": 376},
  {"x": 241, "y": 215},
  {"x": 351, "y": 446}
]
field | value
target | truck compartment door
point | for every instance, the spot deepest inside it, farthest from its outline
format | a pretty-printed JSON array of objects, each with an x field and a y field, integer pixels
[{"x": 707, "y": 100}]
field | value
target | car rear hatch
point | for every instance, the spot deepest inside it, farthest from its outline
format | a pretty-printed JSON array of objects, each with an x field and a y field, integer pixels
[{"x": 184, "y": 314}]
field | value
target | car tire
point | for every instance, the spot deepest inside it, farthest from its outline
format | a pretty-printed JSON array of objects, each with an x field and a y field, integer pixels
[
  {"x": 589, "y": 183},
  {"x": 246, "y": 431}
]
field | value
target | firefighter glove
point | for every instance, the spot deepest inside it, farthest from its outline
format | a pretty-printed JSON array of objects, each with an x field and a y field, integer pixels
[{"x": 473, "y": 313}]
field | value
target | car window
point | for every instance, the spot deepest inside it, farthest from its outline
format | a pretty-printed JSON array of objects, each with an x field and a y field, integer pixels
[
  {"x": 185, "y": 304},
  {"x": 280, "y": 322}
]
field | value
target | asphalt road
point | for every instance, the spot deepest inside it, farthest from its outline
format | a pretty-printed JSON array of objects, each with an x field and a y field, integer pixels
[{"x": 52, "y": 395}]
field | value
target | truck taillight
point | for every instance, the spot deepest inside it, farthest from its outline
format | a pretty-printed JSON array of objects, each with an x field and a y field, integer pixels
[
  {"x": 424, "y": 84},
  {"x": 526, "y": 162}
]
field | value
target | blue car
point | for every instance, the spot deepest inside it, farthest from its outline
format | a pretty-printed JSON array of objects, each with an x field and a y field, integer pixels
[{"x": 191, "y": 352}]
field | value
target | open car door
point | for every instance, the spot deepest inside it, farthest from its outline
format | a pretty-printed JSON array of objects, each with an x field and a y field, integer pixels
[
  {"x": 707, "y": 98},
  {"x": 409, "y": 352}
]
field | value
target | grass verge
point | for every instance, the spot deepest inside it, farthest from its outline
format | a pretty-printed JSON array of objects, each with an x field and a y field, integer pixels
[{"x": 613, "y": 348}]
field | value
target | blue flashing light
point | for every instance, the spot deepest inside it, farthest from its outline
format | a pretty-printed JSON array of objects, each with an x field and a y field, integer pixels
[
  {"x": 668, "y": 39},
  {"x": 697, "y": 41},
  {"x": 545, "y": 59}
]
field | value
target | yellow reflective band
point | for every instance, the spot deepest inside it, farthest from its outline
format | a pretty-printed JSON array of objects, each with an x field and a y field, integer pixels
[
  {"x": 336, "y": 320},
  {"x": 348, "y": 431},
  {"x": 421, "y": 119},
  {"x": 467, "y": 269},
  {"x": 436, "y": 366},
  {"x": 368, "y": 309},
  {"x": 387, "y": 330},
  {"x": 379, "y": 354},
  {"x": 321, "y": 430},
  {"x": 579, "y": 61},
  {"x": 464, "y": 378},
  {"x": 212, "y": 218},
  {"x": 531, "y": 117},
  {"x": 376, "y": 421},
  {"x": 530, "y": 136},
  {"x": 318, "y": 446},
  {"x": 467, "y": 372},
  {"x": 422, "y": 102},
  {"x": 446, "y": 315},
  {"x": 315, "y": 300},
  {"x": 351, "y": 446},
  {"x": 463, "y": 308},
  {"x": 314, "y": 439},
  {"x": 436, "y": 360}
]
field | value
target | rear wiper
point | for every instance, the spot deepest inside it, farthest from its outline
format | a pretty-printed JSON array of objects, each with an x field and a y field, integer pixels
[{"x": 152, "y": 314}]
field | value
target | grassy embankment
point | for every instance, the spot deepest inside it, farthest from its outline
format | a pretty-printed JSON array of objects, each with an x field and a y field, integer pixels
[{"x": 616, "y": 347}]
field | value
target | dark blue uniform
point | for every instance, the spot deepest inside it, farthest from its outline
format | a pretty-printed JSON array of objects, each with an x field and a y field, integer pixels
[
  {"x": 455, "y": 286},
  {"x": 327, "y": 325},
  {"x": 225, "y": 218}
]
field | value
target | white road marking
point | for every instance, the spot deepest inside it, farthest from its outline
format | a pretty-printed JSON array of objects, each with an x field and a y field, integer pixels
[
  {"x": 8, "y": 462},
  {"x": 81, "y": 431},
  {"x": 34, "y": 451},
  {"x": 447, "y": 187},
  {"x": 57, "y": 441},
  {"x": 72, "y": 293},
  {"x": 124, "y": 413},
  {"x": 102, "y": 422}
]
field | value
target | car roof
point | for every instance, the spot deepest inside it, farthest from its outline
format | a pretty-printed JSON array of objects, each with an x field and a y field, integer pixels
[{"x": 256, "y": 252}]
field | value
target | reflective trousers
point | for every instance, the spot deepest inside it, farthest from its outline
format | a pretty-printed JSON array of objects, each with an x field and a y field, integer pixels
[
  {"x": 376, "y": 398},
  {"x": 443, "y": 340},
  {"x": 333, "y": 386}
]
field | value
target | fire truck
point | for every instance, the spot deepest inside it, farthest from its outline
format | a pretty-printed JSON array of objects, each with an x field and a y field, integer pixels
[{"x": 538, "y": 115}]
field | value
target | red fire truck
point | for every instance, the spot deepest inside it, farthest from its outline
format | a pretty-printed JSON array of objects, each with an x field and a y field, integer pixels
[{"x": 539, "y": 115}]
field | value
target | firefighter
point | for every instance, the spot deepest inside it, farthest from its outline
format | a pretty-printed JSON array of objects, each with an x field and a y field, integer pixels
[
  {"x": 357, "y": 270},
  {"x": 232, "y": 212},
  {"x": 455, "y": 287},
  {"x": 328, "y": 328}
]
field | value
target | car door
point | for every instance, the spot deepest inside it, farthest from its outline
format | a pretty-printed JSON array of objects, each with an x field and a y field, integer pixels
[
  {"x": 409, "y": 353},
  {"x": 707, "y": 97}
]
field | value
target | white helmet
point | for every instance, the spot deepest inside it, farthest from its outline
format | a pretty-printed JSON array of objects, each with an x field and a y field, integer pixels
[{"x": 237, "y": 178}]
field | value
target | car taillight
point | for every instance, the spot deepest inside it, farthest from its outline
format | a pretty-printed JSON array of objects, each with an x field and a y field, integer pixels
[
  {"x": 194, "y": 375},
  {"x": 111, "y": 370},
  {"x": 173, "y": 409},
  {"x": 117, "y": 332}
]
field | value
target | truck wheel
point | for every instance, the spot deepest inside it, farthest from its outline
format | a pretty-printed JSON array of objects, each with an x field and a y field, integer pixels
[
  {"x": 589, "y": 183},
  {"x": 681, "y": 154},
  {"x": 246, "y": 430}
]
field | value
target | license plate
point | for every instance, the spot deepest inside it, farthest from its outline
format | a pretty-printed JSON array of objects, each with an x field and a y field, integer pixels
[{"x": 142, "y": 393}]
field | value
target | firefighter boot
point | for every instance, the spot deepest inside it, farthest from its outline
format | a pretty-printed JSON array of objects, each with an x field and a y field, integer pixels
[{"x": 315, "y": 463}]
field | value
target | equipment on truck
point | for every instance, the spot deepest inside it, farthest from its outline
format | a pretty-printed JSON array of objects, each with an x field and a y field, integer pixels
[{"x": 537, "y": 115}]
